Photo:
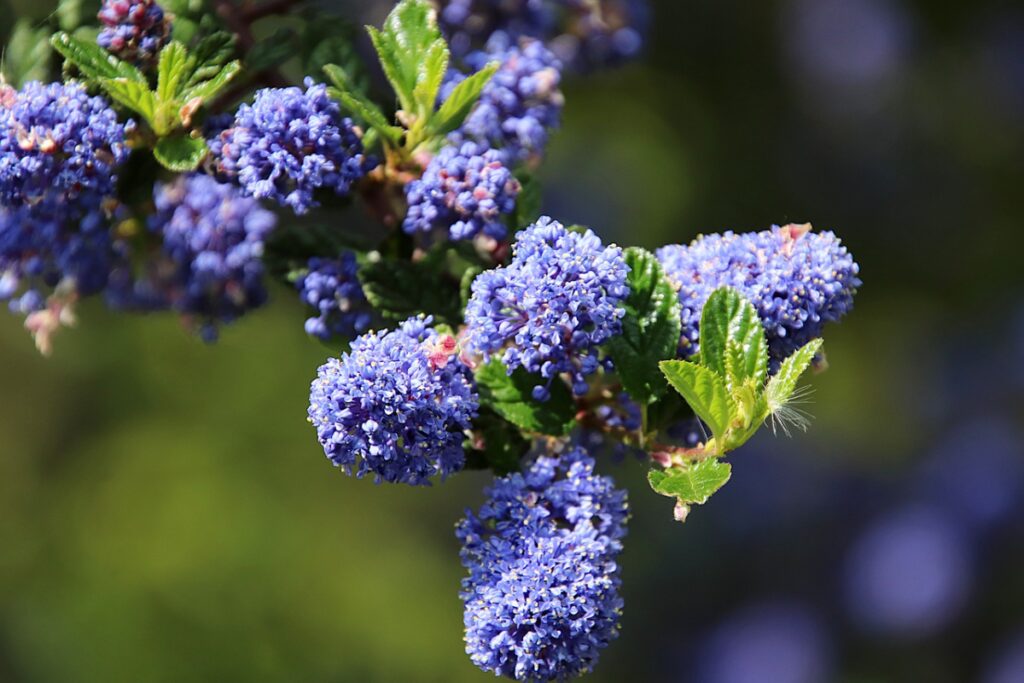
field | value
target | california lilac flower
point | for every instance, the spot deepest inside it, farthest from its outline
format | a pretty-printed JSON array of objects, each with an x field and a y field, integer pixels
[
  {"x": 541, "y": 598},
  {"x": 466, "y": 190},
  {"x": 584, "y": 33},
  {"x": 910, "y": 573},
  {"x": 396, "y": 405},
  {"x": 57, "y": 139},
  {"x": 775, "y": 641},
  {"x": 51, "y": 242},
  {"x": 551, "y": 308},
  {"x": 798, "y": 280},
  {"x": 214, "y": 237},
  {"x": 331, "y": 286},
  {"x": 134, "y": 30},
  {"x": 522, "y": 101},
  {"x": 289, "y": 143}
]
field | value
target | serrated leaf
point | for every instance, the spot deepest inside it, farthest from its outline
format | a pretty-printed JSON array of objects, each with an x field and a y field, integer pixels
[
  {"x": 131, "y": 94},
  {"x": 207, "y": 90},
  {"x": 172, "y": 71},
  {"x": 783, "y": 383},
  {"x": 361, "y": 107},
  {"x": 399, "y": 289},
  {"x": 27, "y": 57},
  {"x": 650, "y": 328},
  {"x": 402, "y": 46},
  {"x": 429, "y": 76},
  {"x": 511, "y": 396},
  {"x": 180, "y": 153},
  {"x": 93, "y": 61},
  {"x": 705, "y": 391},
  {"x": 211, "y": 54},
  {"x": 726, "y": 317},
  {"x": 693, "y": 483},
  {"x": 454, "y": 110}
]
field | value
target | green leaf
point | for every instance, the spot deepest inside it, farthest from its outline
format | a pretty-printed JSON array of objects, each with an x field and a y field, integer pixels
[
  {"x": 93, "y": 61},
  {"x": 529, "y": 201},
  {"x": 429, "y": 76},
  {"x": 650, "y": 328},
  {"x": 403, "y": 45},
  {"x": 27, "y": 57},
  {"x": 211, "y": 54},
  {"x": 272, "y": 51},
  {"x": 498, "y": 442},
  {"x": 131, "y": 94},
  {"x": 173, "y": 71},
  {"x": 693, "y": 483},
  {"x": 180, "y": 153},
  {"x": 512, "y": 398},
  {"x": 207, "y": 90},
  {"x": 728, "y": 317},
  {"x": 399, "y": 289},
  {"x": 705, "y": 391},
  {"x": 358, "y": 105},
  {"x": 783, "y": 383},
  {"x": 456, "y": 108}
]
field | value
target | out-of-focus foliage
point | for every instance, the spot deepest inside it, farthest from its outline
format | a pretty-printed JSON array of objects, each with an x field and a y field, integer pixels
[{"x": 162, "y": 516}]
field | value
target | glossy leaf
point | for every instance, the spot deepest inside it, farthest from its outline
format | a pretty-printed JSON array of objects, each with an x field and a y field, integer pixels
[
  {"x": 173, "y": 71},
  {"x": 650, "y": 328},
  {"x": 705, "y": 391},
  {"x": 728, "y": 317},
  {"x": 783, "y": 383},
  {"x": 133, "y": 95},
  {"x": 692, "y": 483},
  {"x": 180, "y": 153},
  {"x": 456, "y": 108},
  {"x": 512, "y": 398},
  {"x": 93, "y": 61}
]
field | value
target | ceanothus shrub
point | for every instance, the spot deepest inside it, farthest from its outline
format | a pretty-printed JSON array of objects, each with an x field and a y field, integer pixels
[{"x": 178, "y": 168}]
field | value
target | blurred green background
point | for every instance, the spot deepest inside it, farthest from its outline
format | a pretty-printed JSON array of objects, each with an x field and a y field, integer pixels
[{"x": 167, "y": 515}]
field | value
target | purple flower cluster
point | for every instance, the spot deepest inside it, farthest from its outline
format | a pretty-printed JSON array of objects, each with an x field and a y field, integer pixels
[
  {"x": 134, "y": 30},
  {"x": 551, "y": 308},
  {"x": 797, "y": 279},
  {"x": 52, "y": 243},
  {"x": 55, "y": 139},
  {"x": 331, "y": 286},
  {"x": 213, "y": 236},
  {"x": 541, "y": 598},
  {"x": 288, "y": 144},
  {"x": 586, "y": 34},
  {"x": 466, "y": 190},
  {"x": 396, "y": 405},
  {"x": 521, "y": 103}
]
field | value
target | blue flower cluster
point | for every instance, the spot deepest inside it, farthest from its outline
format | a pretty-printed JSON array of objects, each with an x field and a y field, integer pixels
[
  {"x": 213, "y": 236},
  {"x": 797, "y": 279},
  {"x": 551, "y": 308},
  {"x": 331, "y": 286},
  {"x": 289, "y": 143},
  {"x": 134, "y": 30},
  {"x": 396, "y": 405},
  {"x": 49, "y": 244},
  {"x": 541, "y": 598},
  {"x": 521, "y": 103},
  {"x": 586, "y": 34},
  {"x": 55, "y": 139},
  {"x": 465, "y": 190}
]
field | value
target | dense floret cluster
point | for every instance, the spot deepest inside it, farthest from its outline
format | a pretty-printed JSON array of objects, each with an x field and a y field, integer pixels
[
  {"x": 466, "y": 190},
  {"x": 290, "y": 142},
  {"x": 551, "y": 308},
  {"x": 797, "y": 279},
  {"x": 395, "y": 405},
  {"x": 57, "y": 139},
  {"x": 134, "y": 30},
  {"x": 542, "y": 595},
  {"x": 584, "y": 33},
  {"x": 213, "y": 235},
  {"x": 331, "y": 287},
  {"x": 521, "y": 103}
]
